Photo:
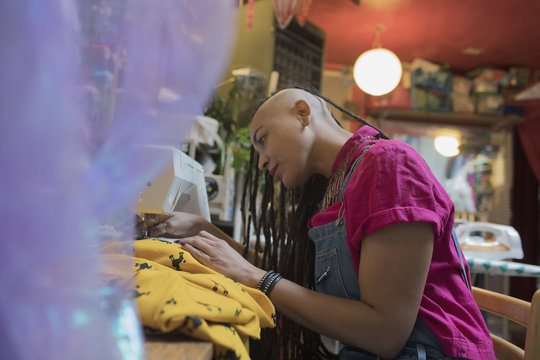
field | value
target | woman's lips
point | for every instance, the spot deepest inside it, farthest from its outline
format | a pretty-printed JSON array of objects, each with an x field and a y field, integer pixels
[{"x": 273, "y": 171}]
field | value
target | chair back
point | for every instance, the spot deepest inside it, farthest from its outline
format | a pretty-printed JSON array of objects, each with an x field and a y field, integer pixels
[{"x": 522, "y": 312}]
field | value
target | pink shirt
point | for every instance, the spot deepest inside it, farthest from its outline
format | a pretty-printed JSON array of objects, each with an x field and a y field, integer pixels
[{"x": 393, "y": 184}]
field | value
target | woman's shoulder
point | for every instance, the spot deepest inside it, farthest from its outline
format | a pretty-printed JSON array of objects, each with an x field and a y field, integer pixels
[
  {"x": 385, "y": 159},
  {"x": 368, "y": 136},
  {"x": 387, "y": 151}
]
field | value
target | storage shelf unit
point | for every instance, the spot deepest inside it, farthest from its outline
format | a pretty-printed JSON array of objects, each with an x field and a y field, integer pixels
[
  {"x": 436, "y": 117},
  {"x": 298, "y": 55}
]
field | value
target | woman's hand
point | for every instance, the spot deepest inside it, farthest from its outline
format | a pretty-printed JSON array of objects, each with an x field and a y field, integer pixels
[
  {"x": 216, "y": 254},
  {"x": 180, "y": 225},
  {"x": 175, "y": 225}
]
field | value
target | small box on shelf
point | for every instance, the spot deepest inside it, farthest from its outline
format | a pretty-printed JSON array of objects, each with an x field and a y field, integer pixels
[
  {"x": 431, "y": 90},
  {"x": 492, "y": 104},
  {"x": 461, "y": 85},
  {"x": 483, "y": 86},
  {"x": 462, "y": 101}
]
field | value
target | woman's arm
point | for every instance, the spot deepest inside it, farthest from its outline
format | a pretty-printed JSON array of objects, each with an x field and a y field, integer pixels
[{"x": 394, "y": 263}]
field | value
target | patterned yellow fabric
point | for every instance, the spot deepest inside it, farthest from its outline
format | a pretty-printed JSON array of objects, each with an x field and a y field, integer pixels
[{"x": 174, "y": 292}]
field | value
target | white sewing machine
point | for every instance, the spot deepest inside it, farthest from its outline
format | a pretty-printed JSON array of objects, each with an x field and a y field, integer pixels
[{"x": 179, "y": 187}]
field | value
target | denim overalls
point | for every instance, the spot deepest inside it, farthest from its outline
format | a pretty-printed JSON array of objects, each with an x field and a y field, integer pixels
[{"x": 335, "y": 275}]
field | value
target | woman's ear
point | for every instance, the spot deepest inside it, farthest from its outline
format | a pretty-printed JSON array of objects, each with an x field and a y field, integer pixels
[{"x": 302, "y": 111}]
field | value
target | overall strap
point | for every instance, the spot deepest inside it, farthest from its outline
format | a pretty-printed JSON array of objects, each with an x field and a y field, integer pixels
[
  {"x": 351, "y": 172},
  {"x": 461, "y": 260},
  {"x": 339, "y": 220}
]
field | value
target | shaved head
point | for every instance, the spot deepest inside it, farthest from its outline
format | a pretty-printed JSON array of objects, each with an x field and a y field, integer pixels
[{"x": 285, "y": 100}]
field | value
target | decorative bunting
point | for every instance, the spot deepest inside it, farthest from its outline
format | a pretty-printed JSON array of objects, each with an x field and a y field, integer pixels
[
  {"x": 303, "y": 11},
  {"x": 249, "y": 21},
  {"x": 285, "y": 10}
]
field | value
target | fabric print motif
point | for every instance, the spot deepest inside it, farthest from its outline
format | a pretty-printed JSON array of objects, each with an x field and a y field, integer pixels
[
  {"x": 227, "y": 355},
  {"x": 216, "y": 288},
  {"x": 137, "y": 293},
  {"x": 170, "y": 302},
  {"x": 209, "y": 307},
  {"x": 176, "y": 262},
  {"x": 192, "y": 323},
  {"x": 162, "y": 241},
  {"x": 142, "y": 266},
  {"x": 241, "y": 286}
]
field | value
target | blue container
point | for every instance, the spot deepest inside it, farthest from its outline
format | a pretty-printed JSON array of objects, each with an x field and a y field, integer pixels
[{"x": 431, "y": 90}]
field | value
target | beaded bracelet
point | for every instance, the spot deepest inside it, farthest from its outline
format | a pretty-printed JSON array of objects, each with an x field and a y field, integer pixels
[
  {"x": 265, "y": 276},
  {"x": 268, "y": 281},
  {"x": 274, "y": 282}
]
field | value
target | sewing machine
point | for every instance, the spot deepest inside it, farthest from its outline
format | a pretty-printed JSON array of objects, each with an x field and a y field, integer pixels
[{"x": 179, "y": 187}]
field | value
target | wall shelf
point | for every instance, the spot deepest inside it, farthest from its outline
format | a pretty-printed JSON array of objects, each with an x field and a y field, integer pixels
[{"x": 435, "y": 117}]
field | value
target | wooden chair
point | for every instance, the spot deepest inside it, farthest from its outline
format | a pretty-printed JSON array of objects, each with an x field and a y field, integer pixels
[{"x": 521, "y": 312}]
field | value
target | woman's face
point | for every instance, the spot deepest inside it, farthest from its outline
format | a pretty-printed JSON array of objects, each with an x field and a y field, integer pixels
[{"x": 279, "y": 137}]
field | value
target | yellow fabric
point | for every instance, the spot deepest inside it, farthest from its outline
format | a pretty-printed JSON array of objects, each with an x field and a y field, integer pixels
[{"x": 174, "y": 292}]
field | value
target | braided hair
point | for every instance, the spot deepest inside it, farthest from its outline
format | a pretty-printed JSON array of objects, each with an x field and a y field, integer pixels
[{"x": 281, "y": 216}]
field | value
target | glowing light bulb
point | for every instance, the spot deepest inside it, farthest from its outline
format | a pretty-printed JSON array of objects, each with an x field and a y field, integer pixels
[
  {"x": 377, "y": 71},
  {"x": 446, "y": 145}
]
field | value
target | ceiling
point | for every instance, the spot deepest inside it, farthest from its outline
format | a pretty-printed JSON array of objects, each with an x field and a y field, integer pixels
[{"x": 464, "y": 34}]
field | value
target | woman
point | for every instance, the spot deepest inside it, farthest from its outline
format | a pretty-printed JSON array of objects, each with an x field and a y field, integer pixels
[{"x": 388, "y": 277}]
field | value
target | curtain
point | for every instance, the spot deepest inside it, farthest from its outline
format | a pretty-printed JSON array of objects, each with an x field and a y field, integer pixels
[{"x": 529, "y": 136}]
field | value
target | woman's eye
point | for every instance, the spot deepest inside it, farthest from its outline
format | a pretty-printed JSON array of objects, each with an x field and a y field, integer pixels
[{"x": 261, "y": 140}]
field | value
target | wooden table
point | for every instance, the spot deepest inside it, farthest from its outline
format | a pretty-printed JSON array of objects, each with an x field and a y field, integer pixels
[{"x": 176, "y": 347}]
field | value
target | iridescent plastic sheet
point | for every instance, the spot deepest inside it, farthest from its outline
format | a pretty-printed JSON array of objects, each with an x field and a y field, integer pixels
[{"x": 74, "y": 126}]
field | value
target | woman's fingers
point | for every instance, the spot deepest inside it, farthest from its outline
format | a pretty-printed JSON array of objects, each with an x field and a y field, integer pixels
[
  {"x": 205, "y": 245},
  {"x": 216, "y": 254},
  {"x": 198, "y": 254},
  {"x": 200, "y": 243}
]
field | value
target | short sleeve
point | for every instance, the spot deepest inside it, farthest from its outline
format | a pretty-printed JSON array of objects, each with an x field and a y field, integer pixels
[{"x": 392, "y": 184}]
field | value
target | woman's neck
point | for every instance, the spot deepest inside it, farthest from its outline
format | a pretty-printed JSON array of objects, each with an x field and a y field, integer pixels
[{"x": 327, "y": 148}]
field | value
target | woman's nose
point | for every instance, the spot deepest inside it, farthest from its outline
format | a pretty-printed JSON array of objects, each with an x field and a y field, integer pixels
[{"x": 263, "y": 161}]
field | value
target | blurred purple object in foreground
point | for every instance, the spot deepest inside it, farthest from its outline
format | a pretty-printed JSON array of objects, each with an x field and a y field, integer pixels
[{"x": 65, "y": 173}]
